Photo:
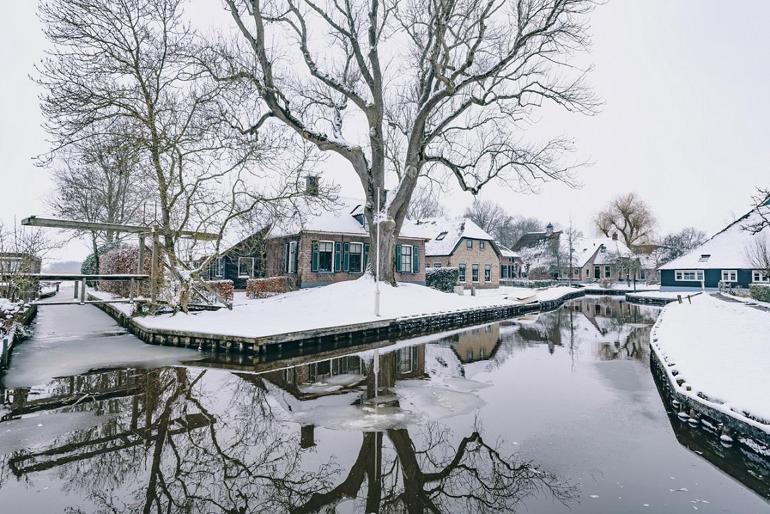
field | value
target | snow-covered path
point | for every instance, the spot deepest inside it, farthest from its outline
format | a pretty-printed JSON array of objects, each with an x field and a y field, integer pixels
[
  {"x": 71, "y": 339},
  {"x": 721, "y": 350}
]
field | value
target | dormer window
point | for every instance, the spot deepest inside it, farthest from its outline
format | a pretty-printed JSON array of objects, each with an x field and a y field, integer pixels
[
  {"x": 441, "y": 236},
  {"x": 704, "y": 257}
]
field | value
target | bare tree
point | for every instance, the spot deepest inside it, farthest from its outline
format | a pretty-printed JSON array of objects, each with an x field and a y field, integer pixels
[
  {"x": 759, "y": 254},
  {"x": 409, "y": 88},
  {"x": 98, "y": 179},
  {"x": 568, "y": 256},
  {"x": 487, "y": 215},
  {"x": 762, "y": 202},
  {"x": 23, "y": 249},
  {"x": 679, "y": 243},
  {"x": 630, "y": 216},
  {"x": 425, "y": 202},
  {"x": 125, "y": 70}
]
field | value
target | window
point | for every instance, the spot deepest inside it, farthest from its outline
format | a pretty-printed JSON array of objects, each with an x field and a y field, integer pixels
[
  {"x": 704, "y": 257},
  {"x": 487, "y": 273},
  {"x": 441, "y": 236},
  {"x": 356, "y": 257},
  {"x": 607, "y": 272},
  {"x": 760, "y": 276},
  {"x": 406, "y": 259},
  {"x": 475, "y": 272},
  {"x": 688, "y": 275},
  {"x": 217, "y": 268},
  {"x": 469, "y": 243},
  {"x": 481, "y": 245},
  {"x": 407, "y": 359},
  {"x": 729, "y": 275},
  {"x": 461, "y": 273},
  {"x": 10, "y": 264},
  {"x": 292, "y": 267},
  {"x": 597, "y": 272},
  {"x": 245, "y": 267},
  {"x": 325, "y": 256}
]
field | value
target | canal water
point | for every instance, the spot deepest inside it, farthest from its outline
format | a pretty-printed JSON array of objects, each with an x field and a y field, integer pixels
[{"x": 557, "y": 412}]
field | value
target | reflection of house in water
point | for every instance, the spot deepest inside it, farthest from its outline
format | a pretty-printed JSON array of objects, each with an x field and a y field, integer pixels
[
  {"x": 476, "y": 344},
  {"x": 619, "y": 329}
]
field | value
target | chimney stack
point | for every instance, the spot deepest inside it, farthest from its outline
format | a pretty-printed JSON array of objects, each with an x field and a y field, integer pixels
[
  {"x": 549, "y": 229},
  {"x": 614, "y": 236},
  {"x": 311, "y": 185}
]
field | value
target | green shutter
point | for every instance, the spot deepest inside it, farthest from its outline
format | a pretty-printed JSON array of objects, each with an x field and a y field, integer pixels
[
  {"x": 314, "y": 257},
  {"x": 337, "y": 257},
  {"x": 366, "y": 255},
  {"x": 296, "y": 257},
  {"x": 286, "y": 257},
  {"x": 415, "y": 259},
  {"x": 398, "y": 258},
  {"x": 346, "y": 257}
]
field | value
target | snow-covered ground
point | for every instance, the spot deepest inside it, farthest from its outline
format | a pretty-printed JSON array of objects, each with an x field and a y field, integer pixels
[
  {"x": 525, "y": 294},
  {"x": 722, "y": 352},
  {"x": 339, "y": 304},
  {"x": 662, "y": 295}
]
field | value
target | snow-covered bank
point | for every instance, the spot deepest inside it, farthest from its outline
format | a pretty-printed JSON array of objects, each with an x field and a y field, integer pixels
[
  {"x": 343, "y": 303},
  {"x": 662, "y": 295},
  {"x": 718, "y": 353}
]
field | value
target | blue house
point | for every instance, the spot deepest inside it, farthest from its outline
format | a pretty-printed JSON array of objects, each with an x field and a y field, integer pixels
[{"x": 726, "y": 258}]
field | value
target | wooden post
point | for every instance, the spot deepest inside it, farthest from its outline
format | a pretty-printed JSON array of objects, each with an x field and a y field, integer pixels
[
  {"x": 82, "y": 291},
  {"x": 4, "y": 361},
  {"x": 76, "y": 290}
]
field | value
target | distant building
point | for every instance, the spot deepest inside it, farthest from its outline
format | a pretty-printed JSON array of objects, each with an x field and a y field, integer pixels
[
  {"x": 14, "y": 286},
  {"x": 510, "y": 264},
  {"x": 240, "y": 260},
  {"x": 725, "y": 258},
  {"x": 601, "y": 259},
  {"x": 462, "y": 244},
  {"x": 539, "y": 253}
]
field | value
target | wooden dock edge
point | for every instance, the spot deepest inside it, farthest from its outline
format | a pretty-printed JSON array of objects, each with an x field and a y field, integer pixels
[{"x": 393, "y": 328}]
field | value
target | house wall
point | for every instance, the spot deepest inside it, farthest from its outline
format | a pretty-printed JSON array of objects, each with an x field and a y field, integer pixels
[
  {"x": 469, "y": 256},
  {"x": 712, "y": 277},
  {"x": 305, "y": 277},
  {"x": 252, "y": 247}
]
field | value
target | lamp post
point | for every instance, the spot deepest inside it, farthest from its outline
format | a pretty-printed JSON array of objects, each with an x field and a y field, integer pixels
[{"x": 377, "y": 265}]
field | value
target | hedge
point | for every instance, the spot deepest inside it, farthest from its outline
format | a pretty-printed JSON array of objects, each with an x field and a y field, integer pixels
[
  {"x": 443, "y": 279},
  {"x": 224, "y": 288},
  {"x": 123, "y": 259},
  {"x": 259, "y": 287},
  {"x": 760, "y": 292},
  {"x": 528, "y": 283}
]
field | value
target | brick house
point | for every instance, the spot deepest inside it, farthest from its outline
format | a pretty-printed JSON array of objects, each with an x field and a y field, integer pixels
[
  {"x": 462, "y": 244},
  {"x": 329, "y": 246},
  {"x": 601, "y": 259}
]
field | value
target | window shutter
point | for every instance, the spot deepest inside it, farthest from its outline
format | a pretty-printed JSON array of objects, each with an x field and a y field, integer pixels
[
  {"x": 296, "y": 257},
  {"x": 337, "y": 257},
  {"x": 415, "y": 259},
  {"x": 398, "y": 258},
  {"x": 286, "y": 257},
  {"x": 346, "y": 257},
  {"x": 366, "y": 255},
  {"x": 314, "y": 257}
]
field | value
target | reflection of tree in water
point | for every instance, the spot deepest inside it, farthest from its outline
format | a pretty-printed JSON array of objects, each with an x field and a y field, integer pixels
[
  {"x": 179, "y": 440},
  {"x": 437, "y": 476}
]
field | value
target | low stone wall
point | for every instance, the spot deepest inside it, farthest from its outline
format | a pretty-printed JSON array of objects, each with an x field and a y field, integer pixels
[
  {"x": 12, "y": 337},
  {"x": 727, "y": 429}
]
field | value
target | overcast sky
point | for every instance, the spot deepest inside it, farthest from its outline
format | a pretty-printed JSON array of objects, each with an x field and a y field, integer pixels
[{"x": 684, "y": 123}]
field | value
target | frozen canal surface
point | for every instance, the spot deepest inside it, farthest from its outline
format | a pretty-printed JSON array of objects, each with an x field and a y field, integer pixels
[{"x": 554, "y": 413}]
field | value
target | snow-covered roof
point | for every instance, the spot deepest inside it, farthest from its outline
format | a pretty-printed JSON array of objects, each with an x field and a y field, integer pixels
[
  {"x": 506, "y": 252},
  {"x": 726, "y": 249},
  {"x": 536, "y": 239},
  {"x": 609, "y": 250},
  {"x": 341, "y": 218},
  {"x": 445, "y": 234}
]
